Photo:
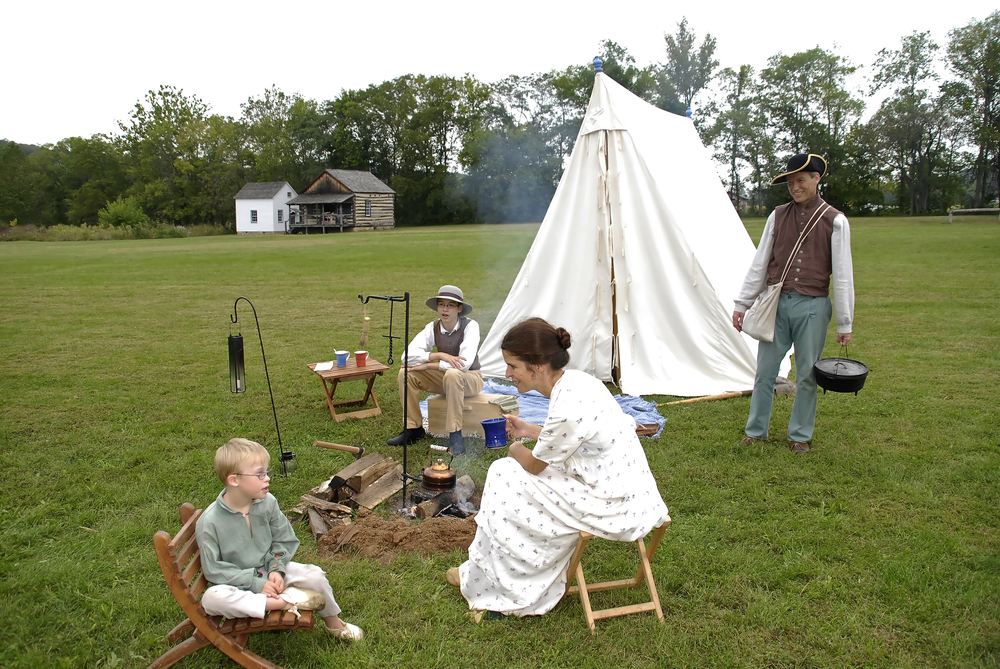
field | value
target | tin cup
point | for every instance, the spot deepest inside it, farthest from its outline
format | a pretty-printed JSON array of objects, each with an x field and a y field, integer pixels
[
  {"x": 360, "y": 358},
  {"x": 341, "y": 358}
]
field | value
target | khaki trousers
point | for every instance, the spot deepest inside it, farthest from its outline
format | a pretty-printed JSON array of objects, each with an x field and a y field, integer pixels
[{"x": 454, "y": 384}]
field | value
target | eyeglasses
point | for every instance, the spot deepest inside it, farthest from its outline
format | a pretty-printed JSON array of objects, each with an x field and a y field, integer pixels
[{"x": 260, "y": 475}]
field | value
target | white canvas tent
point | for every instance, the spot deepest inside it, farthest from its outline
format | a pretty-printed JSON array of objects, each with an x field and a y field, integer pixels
[{"x": 639, "y": 257}]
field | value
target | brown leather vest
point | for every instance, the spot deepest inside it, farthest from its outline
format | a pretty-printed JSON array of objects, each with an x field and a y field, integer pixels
[
  {"x": 812, "y": 266},
  {"x": 451, "y": 344}
]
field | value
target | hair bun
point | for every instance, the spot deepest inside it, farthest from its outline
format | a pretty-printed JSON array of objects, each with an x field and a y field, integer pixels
[{"x": 563, "y": 338}]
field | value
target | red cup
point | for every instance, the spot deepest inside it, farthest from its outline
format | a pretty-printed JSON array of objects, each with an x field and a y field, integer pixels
[{"x": 360, "y": 358}]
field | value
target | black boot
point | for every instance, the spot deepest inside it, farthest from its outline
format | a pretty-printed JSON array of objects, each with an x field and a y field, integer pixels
[
  {"x": 456, "y": 443},
  {"x": 408, "y": 436}
]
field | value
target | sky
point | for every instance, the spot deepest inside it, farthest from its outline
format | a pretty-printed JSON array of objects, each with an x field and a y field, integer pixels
[{"x": 76, "y": 69}]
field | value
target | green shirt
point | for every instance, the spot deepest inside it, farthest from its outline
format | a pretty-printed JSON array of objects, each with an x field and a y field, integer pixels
[{"x": 234, "y": 554}]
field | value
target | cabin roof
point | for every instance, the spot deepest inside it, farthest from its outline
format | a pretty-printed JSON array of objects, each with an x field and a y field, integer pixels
[
  {"x": 360, "y": 181},
  {"x": 263, "y": 190},
  {"x": 321, "y": 198}
]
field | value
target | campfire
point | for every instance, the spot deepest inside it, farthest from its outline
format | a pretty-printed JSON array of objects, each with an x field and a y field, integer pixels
[{"x": 372, "y": 479}]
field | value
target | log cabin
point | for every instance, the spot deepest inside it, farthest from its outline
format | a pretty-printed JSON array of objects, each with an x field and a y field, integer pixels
[{"x": 340, "y": 200}]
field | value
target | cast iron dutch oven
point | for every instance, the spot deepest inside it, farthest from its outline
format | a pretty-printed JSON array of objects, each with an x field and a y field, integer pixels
[{"x": 840, "y": 375}]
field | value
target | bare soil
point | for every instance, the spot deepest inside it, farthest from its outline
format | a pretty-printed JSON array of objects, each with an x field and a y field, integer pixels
[{"x": 383, "y": 540}]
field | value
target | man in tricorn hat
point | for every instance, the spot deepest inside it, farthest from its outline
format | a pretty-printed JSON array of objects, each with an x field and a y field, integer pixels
[
  {"x": 804, "y": 309},
  {"x": 441, "y": 359}
]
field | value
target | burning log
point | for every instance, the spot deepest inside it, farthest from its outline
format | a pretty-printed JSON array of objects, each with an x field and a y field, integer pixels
[{"x": 460, "y": 494}]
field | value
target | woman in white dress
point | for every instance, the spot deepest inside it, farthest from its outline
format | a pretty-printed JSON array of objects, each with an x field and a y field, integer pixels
[{"x": 587, "y": 471}]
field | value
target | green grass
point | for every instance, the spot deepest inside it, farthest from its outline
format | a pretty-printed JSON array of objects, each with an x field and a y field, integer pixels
[{"x": 880, "y": 548}]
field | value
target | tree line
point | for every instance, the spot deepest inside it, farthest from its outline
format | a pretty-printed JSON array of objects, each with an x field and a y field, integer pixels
[{"x": 458, "y": 150}]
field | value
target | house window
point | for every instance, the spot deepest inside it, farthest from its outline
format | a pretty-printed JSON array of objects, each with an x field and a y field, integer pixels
[
  {"x": 281, "y": 215},
  {"x": 289, "y": 193},
  {"x": 253, "y": 215},
  {"x": 368, "y": 208}
]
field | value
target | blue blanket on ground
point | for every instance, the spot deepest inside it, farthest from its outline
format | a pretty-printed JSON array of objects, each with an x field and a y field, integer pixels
[{"x": 534, "y": 406}]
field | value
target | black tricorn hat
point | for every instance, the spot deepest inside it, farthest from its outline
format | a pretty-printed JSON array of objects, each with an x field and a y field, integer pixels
[{"x": 802, "y": 162}]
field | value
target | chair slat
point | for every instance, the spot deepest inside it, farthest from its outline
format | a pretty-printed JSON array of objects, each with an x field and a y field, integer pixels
[
  {"x": 189, "y": 572},
  {"x": 199, "y": 587}
]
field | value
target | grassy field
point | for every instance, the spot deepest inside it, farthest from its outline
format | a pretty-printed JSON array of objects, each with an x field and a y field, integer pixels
[{"x": 879, "y": 548}]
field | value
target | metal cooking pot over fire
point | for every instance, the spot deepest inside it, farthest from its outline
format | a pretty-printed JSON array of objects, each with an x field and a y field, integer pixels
[{"x": 439, "y": 476}]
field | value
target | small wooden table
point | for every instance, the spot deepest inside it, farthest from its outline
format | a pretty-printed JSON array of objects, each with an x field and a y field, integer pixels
[{"x": 351, "y": 372}]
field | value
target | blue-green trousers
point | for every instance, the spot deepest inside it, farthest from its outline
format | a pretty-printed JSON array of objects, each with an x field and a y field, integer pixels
[{"x": 801, "y": 321}]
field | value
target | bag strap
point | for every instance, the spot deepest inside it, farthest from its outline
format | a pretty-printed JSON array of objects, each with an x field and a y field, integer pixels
[{"x": 813, "y": 222}]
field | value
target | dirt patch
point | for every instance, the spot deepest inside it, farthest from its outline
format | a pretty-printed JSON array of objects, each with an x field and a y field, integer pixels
[{"x": 383, "y": 540}]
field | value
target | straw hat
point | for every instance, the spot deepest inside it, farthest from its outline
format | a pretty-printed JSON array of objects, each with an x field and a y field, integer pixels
[{"x": 453, "y": 293}]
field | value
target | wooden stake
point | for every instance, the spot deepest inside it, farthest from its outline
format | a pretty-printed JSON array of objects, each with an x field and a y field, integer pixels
[{"x": 723, "y": 396}]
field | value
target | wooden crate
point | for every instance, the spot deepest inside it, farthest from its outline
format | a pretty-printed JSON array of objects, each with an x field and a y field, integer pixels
[{"x": 476, "y": 409}]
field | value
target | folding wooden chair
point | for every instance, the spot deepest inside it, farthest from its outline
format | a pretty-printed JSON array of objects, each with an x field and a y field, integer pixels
[
  {"x": 644, "y": 573},
  {"x": 180, "y": 560}
]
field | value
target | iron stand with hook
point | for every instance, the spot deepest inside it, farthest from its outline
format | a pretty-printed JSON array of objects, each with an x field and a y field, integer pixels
[
  {"x": 405, "y": 298},
  {"x": 237, "y": 368}
]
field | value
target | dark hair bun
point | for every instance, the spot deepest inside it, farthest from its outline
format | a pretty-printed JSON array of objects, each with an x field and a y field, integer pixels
[{"x": 563, "y": 338}]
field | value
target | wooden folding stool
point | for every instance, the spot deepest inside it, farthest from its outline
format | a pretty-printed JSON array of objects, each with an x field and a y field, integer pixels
[{"x": 644, "y": 573}]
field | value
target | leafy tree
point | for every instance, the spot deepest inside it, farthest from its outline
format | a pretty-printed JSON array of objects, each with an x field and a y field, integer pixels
[
  {"x": 973, "y": 55},
  {"x": 513, "y": 174},
  {"x": 730, "y": 131},
  {"x": 807, "y": 102},
  {"x": 15, "y": 185},
  {"x": 286, "y": 138},
  {"x": 688, "y": 70},
  {"x": 123, "y": 212},
  {"x": 913, "y": 123},
  {"x": 94, "y": 175},
  {"x": 183, "y": 164}
]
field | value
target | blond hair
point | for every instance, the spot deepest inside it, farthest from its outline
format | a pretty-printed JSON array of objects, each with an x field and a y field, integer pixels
[{"x": 236, "y": 454}]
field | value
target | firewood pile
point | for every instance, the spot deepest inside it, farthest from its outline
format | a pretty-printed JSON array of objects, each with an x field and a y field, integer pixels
[{"x": 365, "y": 483}]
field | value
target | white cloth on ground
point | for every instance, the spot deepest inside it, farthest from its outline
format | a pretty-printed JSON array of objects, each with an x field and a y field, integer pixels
[{"x": 597, "y": 480}]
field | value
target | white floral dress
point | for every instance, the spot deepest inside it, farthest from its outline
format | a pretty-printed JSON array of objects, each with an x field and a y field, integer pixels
[{"x": 597, "y": 480}]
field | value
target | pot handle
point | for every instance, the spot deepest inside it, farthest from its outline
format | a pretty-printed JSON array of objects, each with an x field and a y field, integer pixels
[{"x": 436, "y": 447}]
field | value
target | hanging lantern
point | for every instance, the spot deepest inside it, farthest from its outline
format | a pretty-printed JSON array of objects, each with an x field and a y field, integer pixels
[{"x": 237, "y": 368}]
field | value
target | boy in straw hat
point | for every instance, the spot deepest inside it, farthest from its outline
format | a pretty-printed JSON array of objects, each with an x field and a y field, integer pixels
[
  {"x": 804, "y": 309},
  {"x": 441, "y": 359}
]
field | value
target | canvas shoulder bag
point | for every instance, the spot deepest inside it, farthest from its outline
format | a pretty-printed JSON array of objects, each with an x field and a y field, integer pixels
[{"x": 758, "y": 321}]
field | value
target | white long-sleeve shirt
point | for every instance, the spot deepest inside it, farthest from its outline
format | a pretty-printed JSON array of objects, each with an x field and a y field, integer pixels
[
  {"x": 840, "y": 258},
  {"x": 420, "y": 349}
]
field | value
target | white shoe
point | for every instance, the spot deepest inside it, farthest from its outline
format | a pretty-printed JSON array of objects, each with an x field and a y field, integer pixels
[{"x": 348, "y": 631}]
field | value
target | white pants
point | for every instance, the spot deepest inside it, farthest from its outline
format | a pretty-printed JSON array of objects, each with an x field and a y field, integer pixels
[{"x": 231, "y": 602}]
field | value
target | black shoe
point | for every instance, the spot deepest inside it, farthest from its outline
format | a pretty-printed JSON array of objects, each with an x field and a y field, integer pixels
[
  {"x": 408, "y": 436},
  {"x": 456, "y": 443}
]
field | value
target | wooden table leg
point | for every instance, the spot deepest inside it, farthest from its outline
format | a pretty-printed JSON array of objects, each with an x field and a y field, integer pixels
[
  {"x": 329, "y": 391},
  {"x": 370, "y": 393}
]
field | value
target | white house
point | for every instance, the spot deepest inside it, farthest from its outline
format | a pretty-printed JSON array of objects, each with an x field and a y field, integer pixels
[{"x": 263, "y": 207}]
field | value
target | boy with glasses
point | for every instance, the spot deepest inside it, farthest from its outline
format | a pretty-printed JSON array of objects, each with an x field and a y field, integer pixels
[{"x": 247, "y": 545}]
